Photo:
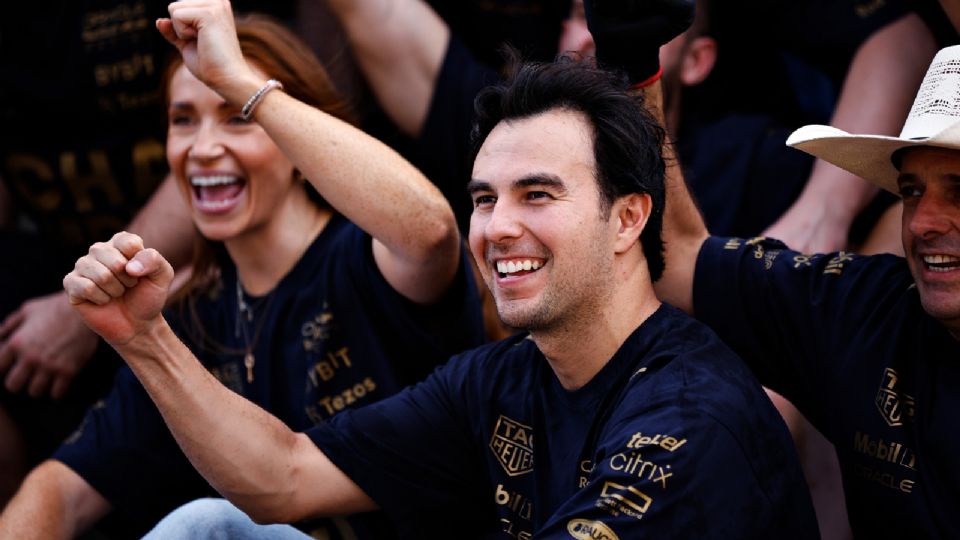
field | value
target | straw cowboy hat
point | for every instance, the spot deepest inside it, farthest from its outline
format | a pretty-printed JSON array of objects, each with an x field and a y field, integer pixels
[{"x": 934, "y": 120}]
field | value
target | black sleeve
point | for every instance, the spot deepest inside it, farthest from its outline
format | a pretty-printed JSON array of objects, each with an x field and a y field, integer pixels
[
  {"x": 413, "y": 452},
  {"x": 124, "y": 450},
  {"x": 791, "y": 316}
]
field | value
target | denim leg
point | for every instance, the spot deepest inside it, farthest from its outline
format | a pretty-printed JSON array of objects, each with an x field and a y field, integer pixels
[{"x": 217, "y": 519}]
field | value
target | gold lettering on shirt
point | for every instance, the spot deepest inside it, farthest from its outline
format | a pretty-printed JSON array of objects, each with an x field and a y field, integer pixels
[
  {"x": 325, "y": 369},
  {"x": 891, "y": 403},
  {"x": 890, "y": 452},
  {"x": 515, "y": 501},
  {"x": 98, "y": 179},
  {"x": 733, "y": 243},
  {"x": 802, "y": 260},
  {"x": 317, "y": 330},
  {"x": 634, "y": 464},
  {"x": 149, "y": 166},
  {"x": 639, "y": 440},
  {"x": 512, "y": 530},
  {"x": 769, "y": 258},
  {"x": 585, "y": 529},
  {"x": 619, "y": 499},
  {"x": 330, "y": 405},
  {"x": 512, "y": 445},
  {"x": 34, "y": 180},
  {"x": 835, "y": 265}
]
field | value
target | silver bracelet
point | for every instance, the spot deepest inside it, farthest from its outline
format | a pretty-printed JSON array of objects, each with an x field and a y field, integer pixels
[{"x": 247, "y": 111}]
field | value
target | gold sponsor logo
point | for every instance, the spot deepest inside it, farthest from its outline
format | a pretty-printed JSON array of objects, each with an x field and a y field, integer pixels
[
  {"x": 512, "y": 444},
  {"x": 620, "y": 499},
  {"x": 639, "y": 440},
  {"x": 634, "y": 464},
  {"x": 893, "y": 405},
  {"x": 891, "y": 452},
  {"x": 585, "y": 529},
  {"x": 835, "y": 265},
  {"x": 316, "y": 331},
  {"x": 515, "y": 501}
]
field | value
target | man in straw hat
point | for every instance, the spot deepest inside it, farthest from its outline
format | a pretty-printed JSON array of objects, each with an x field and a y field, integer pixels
[{"x": 866, "y": 347}]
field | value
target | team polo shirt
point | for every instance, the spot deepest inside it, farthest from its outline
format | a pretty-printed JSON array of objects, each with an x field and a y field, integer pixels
[
  {"x": 335, "y": 336},
  {"x": 844, "y": 337},
  {"x": 673, "y": 437}
]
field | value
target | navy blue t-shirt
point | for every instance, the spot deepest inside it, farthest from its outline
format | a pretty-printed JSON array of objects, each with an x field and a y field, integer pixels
[
  {"x": 844, "y": 338},
  {"x": 673, "y": 437},
  {"x": 332, "y": 335}
]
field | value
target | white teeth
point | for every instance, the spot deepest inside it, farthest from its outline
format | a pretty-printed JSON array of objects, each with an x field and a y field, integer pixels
[
  {"x": 206, "y": 181},
  {"x": 940, "y": 259},
  {"x": 214, "y": 205},
  {"x": 511, "y": 267}
]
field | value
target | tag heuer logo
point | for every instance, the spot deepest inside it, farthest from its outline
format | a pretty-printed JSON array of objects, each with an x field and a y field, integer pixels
[
  {"x": 512, "y": 443},
  {"x": 893, "y": 405}
]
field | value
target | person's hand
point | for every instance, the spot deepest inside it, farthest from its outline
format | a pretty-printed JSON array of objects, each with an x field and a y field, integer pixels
[
  {"x": 629, "y": 33},
  {"x": 204, "y": 33},
  {"x": 43, "y": 345},
  {"x": 810, "y": 228},
  {"x": 119, "y": 288}
]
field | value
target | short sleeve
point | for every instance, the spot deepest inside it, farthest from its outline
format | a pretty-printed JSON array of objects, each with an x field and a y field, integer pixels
[
  {"x": 412, "y": 451},
  {"x": 677, "y": 473},
  {"x": 789, "y": 315},
  {"x": 419, "y": 334},
  {"x": 124, "y": 450}
]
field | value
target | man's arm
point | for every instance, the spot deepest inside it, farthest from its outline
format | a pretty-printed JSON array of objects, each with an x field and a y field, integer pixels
[
  {"x": 53, "y": 502},
  {"x": 684, "y": 232},
  {"x": 249, "y": 456},
  {"x": 399, "y": 45},
  {"x": 44, "y": 344},
  {"x": 877, "y": 93}
]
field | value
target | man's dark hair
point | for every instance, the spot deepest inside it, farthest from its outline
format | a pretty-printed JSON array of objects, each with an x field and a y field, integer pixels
[{"x": 627, "y": 139}]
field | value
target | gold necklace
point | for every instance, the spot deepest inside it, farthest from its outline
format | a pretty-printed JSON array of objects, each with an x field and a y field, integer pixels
[{"x": 246, "y": 314}]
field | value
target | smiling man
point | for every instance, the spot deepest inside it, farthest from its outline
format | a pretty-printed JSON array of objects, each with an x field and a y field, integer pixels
[
  {"x": 866, "y": 347},
  {"x": 613, "y": 416}
]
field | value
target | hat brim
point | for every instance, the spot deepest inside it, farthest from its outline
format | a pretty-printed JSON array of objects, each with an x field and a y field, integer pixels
[{"x": 867, "y": 156}]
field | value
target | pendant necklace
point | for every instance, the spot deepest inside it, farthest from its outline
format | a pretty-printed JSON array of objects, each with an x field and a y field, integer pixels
[{"x": 246, "y": 313}]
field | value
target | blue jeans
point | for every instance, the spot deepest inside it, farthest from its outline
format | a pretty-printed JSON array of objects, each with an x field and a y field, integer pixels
[{"x": 217, "y": 519}]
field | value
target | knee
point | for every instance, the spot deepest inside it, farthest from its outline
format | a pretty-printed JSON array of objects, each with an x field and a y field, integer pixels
[{"x": 209, "y": 519}]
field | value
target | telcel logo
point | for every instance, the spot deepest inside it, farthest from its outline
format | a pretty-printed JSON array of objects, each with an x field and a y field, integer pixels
[{"x": 585, "y": 529}]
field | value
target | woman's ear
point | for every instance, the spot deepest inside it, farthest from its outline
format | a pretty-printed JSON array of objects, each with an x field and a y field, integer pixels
[
  {"x": 632, "y": 213},
  {"x": 699, "y": 57}
]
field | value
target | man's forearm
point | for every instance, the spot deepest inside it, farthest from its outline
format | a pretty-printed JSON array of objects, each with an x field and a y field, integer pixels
[
  {"x": 54, "y": 502},
  {"x": 399, "y": 45},
  {"x": 249, "y": 456},
  {"x": 234, "y": 444},
  {"x": 684, "y": 230},
  {"x": 898, "y": 52}
]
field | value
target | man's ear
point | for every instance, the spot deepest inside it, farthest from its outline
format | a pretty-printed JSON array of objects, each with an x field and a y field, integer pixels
[
  {"x": 699, "y": 57},
  {"x": 632, "y": 212}
]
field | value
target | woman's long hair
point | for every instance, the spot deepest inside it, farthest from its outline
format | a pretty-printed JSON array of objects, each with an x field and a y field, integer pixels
[{"x": 278, "y": 52}]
